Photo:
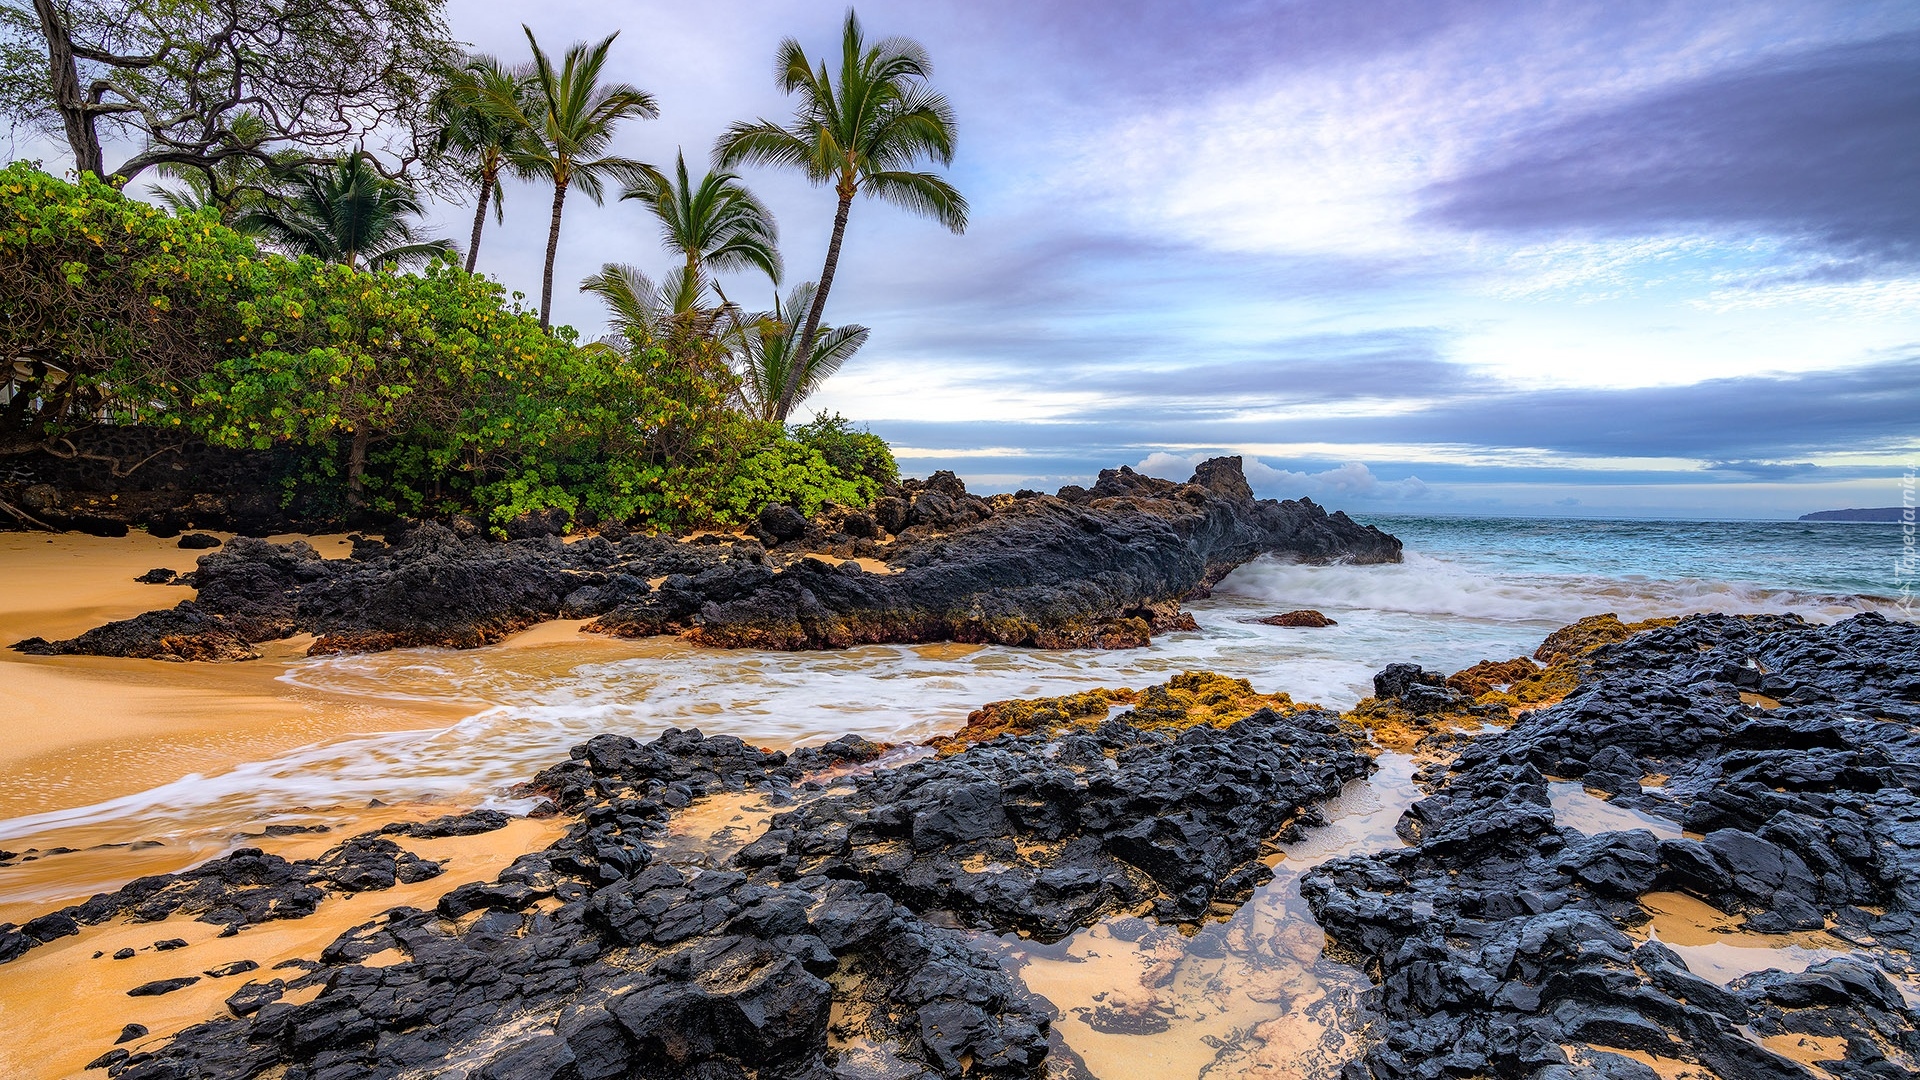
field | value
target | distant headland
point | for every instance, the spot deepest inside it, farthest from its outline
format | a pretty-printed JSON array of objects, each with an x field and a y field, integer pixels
[{"x": 1878, "y": 513}]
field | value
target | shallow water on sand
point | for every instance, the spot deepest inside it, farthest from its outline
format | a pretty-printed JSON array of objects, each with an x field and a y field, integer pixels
[{"x": 1250, "y": 995}]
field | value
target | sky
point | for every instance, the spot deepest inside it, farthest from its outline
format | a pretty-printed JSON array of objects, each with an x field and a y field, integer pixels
[{"x": 1612, "y": 258}]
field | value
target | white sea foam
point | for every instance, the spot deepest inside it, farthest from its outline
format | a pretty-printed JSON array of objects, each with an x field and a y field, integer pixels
[{"x": 1426, "y": 585}]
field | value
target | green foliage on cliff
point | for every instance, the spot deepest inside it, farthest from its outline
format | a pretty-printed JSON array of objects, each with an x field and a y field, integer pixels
[{"x": 425, "y": 393}]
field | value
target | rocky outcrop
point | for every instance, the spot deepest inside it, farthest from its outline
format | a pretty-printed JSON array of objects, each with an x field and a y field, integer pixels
[
  {"x": 1105, "y": 567},
  {"x": 1502, "y": 941}
]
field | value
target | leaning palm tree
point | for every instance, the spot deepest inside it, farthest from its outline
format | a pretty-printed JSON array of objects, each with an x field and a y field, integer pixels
[
  {"x": 861, "y": 133},
  {"x": 716, "y": 225},
  {"x": 347, "y": 213},
  {"x": 570, "y": 119},
  {"x": 480, "y": 119},
  {"x": 764, "y": 346}
]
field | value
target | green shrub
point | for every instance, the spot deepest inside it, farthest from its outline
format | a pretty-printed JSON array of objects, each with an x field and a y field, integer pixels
[
  {"x": 860, "y": 455},
  {"x": 425, "y": 394}
]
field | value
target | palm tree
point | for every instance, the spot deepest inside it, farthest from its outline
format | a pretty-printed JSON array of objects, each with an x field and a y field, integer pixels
[
  {"x": 717, "y": 225},
  {"x": 765, "y": 344},
  {"x": 570, "y": 121},
  {"x": 480, "y": 120},
  {"x": 864, "y": 132},
  {"x": 347, "y": 213}
]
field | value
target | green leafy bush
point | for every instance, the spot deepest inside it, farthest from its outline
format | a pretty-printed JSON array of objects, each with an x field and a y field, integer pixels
[
  {"x": 426, "y": 394},
  {"x": 860, "y": 455}
]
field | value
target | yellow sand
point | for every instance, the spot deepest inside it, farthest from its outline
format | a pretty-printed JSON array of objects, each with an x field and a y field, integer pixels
[
  {"x": 75, "y": 1004},
  {"x": 80, "y": 730}
]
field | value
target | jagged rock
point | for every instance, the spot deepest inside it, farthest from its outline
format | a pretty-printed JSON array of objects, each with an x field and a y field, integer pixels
[
  {"x": 1498, "y": 937},
  {"x": 1108, "y": 571}
]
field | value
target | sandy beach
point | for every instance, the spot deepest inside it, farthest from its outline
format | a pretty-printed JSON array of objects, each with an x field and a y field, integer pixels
[{"x": 84, "y": 729}]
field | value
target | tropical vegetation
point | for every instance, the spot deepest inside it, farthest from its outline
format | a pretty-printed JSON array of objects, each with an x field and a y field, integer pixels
[
  {"x": 862, "y": 133},
  {"x": 288, "y": 294}
]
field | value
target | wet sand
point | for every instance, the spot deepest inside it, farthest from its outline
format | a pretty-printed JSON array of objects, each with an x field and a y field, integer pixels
[
  {"x": 76, "y": 1001},
  {"x": 84, "y": 729}
]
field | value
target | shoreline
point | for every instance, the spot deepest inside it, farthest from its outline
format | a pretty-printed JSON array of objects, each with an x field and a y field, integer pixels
[
  {"x": 1063, "y": 831},
  {"x": 83, "y": 730}
]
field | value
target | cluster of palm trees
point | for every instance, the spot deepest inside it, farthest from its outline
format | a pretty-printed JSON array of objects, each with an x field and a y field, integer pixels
[{"x": 861, "y": 130}]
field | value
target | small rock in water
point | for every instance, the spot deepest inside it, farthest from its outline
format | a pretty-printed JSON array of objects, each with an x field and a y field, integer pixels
[
  {"x": 199, "y": 541},
  {"x": 130, "y": 1033},
  {"x": 123, "y": 954},
  {"x": 1303, "y": 617},
  {"x": 159, "y": 575},
  {"x": 255, "y": 996},
  {"x": 163, "y": 986},
  {"x": 170, "y": 944},
  {"x": 109, "y": 1059},
  {"x": 238, "y": 967}
]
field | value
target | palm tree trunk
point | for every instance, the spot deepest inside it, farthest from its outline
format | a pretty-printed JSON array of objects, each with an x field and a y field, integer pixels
[
  {"x": 357, "y": 469},
  {"x": 553, "y": 248},
  {"x": 479, "y": 219},
  {"x": 797, "y": 360}
]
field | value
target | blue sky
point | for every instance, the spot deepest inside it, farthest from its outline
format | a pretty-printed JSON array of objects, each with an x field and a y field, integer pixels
[{"x": 1611, "y": 258}]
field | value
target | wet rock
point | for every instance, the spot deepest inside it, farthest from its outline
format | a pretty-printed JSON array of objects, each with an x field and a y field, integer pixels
[
  {"x": 163, "y": 986},
  {"x": 198, "y": 541},
  {"x": 109, "y": 1059},
  {"x": 254, "y": 996},
  {"x": 1395, "y": 680},
  {"x": 132, "y": 1032},
  {"x": 1501, "y": 931},
  {"x": 159, "y": 575},
  {"x": 1304, "y": 617},
  {"x": 237, "y": 967},
  {"x": 471, "y": 823}
]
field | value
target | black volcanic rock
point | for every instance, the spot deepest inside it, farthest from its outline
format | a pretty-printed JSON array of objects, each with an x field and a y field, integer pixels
[
  {"x": 1106, "y": 568},
  {"x": 1500, "y": 938}
]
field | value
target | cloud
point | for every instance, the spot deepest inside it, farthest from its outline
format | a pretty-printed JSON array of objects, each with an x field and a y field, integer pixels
[{"x": 1820, "y": 145}]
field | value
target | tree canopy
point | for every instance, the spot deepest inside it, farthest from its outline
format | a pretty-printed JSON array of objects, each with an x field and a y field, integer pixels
[{"x": 175, "y": 79}]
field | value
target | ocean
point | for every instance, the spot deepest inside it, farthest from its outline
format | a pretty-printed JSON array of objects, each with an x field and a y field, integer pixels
[{"x": 1470, "y": 589}]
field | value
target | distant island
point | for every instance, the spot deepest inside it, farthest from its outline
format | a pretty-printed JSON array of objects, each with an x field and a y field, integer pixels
[{"x": 1878, "y": 513}]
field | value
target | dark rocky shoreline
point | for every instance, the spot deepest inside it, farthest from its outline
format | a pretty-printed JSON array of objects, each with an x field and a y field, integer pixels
[
  {"x": 834, "y": 943},
  {"x": 1105, "y": 567}
]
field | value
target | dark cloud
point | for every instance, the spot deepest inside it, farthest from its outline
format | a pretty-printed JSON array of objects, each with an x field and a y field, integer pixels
[{"x": 1821, "y": 145}]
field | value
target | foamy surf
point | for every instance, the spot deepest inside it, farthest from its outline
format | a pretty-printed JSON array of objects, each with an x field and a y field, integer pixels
[{"x": 1429, "y": 585}]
